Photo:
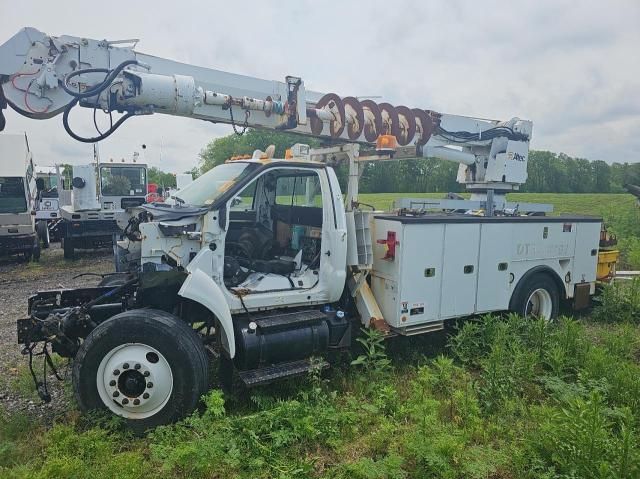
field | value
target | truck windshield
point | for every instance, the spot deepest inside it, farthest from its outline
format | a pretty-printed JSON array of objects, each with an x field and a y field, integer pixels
[
  {"x": 12, "y": 197},
  {"x": 209, "y": 187},
  {"x": 123, "y": 181}
]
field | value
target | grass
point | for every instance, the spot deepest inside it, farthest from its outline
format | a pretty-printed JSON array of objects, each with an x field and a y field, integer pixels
[
  {"x": 609, "y": 206},
  {"x": 499, "y": 398}
]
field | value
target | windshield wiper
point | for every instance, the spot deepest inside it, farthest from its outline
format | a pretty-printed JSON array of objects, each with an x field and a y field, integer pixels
[{"x": 179, "y": 200}]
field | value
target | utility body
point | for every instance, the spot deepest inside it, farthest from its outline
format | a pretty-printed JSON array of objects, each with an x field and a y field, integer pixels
[{"x": 263, "y": 261}]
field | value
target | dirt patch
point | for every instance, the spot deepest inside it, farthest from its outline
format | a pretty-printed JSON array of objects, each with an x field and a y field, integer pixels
[{"x": 19, "y": 280}]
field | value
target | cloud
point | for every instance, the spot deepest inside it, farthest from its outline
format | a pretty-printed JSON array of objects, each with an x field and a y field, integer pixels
[{"x": 571, "y": 67}]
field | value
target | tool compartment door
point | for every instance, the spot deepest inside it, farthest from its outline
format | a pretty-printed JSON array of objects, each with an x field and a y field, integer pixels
[
  {"x": 459, "y": 269},
  {"x": 585, "y": 260},
  {"x": 420, "y": 273},
  {"x": 494, "y": 267}
]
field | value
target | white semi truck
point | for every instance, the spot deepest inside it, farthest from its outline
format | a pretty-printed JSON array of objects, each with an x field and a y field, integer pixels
[
  {"x": 264, "y": 261},
  {"x": 17, "y": 198}
]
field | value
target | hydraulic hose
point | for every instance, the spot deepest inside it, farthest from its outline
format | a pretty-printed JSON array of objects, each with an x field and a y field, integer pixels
[
  {"x": 102, "y": 136},
  {"x": 93, "y": 91}
]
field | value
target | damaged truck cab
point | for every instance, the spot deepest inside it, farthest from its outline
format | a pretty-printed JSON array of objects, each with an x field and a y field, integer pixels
[{"x": 265, "y": 234}]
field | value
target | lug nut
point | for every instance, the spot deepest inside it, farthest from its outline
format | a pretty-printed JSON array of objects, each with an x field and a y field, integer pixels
[
  {"x": 112, "y": 382},
  {"x": 116, "y": 372},
  {"x": 116, "y": 394},
  {"x": 125, "y": 366},
  {"x": 137, "y": 366},
  {"x": 145, "y": 396},
  {"x": 146, "y": 374},
  {"x": 125, "y": 401},
  {"x": 149, "y": 384},
  {"x": 136, "y": 402}
]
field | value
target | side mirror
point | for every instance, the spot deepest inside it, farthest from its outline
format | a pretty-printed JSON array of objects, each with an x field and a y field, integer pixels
[
  {"x": 236, "y": 201},
  {"x": 40, "y": 184}
]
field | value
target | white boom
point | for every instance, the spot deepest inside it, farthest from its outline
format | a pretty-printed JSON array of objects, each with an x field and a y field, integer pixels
[{"x": 42, "y": 76}]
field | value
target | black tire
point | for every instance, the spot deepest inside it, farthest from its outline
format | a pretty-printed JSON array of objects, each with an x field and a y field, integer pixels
[
  {"x": 175, "y": 340},
  {"x": 68, "y": 248},
  {"x": 43, "y": 233},
  {"x": 520, "y": 303}
]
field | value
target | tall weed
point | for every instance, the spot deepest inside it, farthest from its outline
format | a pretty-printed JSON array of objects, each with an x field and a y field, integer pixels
[{"x": 619, "y": 302}]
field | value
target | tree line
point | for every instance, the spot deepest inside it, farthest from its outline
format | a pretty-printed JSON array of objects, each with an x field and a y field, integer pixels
[{"x": 548, "y": 172}]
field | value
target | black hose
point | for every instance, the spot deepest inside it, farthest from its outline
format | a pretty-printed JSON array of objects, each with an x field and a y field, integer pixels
[
  {"x": 102, "y": 136},
  {"x": 96, "y": 89},
  {"x": 93, "y": 91}
]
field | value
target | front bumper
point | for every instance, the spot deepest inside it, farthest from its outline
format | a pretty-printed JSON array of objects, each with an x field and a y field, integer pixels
[{"x": 13, "y": 244}]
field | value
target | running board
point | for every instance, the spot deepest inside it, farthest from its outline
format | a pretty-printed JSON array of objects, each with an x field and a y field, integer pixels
[
  {"x": 420, "y": 328},
  {"x": 258, "y": 377}
]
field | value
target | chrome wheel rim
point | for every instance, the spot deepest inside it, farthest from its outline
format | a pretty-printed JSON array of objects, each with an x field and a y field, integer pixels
[
  {"x": 134, "y": 381},
  {"x": 539, "y": 304}
]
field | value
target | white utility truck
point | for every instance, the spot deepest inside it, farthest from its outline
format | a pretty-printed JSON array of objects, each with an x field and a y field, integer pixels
[
  {"x": 264, "y": 261},
  {"x": 48, "y": 220},
  {"x": 101, "y": 197},
  {"x": 17, "y": 198}
]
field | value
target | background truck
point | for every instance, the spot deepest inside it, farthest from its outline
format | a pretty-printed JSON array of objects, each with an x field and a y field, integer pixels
[
  {"x": 263, "y": 262},
  {"x": 17, "y": 198},
  {"x": 102, "y": 194},
  {"x": 49, "y": 185}
]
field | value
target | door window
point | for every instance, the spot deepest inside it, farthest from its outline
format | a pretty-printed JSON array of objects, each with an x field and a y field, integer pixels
[{"x": 303, "y": 190}]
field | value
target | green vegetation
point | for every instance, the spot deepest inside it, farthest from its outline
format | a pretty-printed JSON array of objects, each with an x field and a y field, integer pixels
[
  {"x": 161, "y": 178},
  {"x": 221, "y": 149},
  {"x": 502, "y": 398}
]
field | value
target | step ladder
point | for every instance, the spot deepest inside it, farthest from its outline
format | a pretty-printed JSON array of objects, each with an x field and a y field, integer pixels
[{"x": 267, "y": 374}]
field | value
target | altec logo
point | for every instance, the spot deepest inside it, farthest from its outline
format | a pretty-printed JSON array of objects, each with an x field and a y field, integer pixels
[{"x": 516, "y": 156}]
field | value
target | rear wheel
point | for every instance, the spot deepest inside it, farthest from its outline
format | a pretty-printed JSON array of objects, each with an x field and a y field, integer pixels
[
  {"x": 147, "y": 366},
  {"x": 43, "y": 233},
  {"x": 538, "y": 296}
]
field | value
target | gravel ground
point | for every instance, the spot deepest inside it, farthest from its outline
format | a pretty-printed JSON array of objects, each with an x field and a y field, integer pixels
[{"x": 19, "y": 280}]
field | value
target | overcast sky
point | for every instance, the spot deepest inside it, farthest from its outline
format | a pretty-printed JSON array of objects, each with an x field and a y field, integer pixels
[{"x": 571, "y": 67}]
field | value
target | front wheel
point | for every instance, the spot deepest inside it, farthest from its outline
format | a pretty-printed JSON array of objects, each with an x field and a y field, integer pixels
[
  {"x": 68, "y": 248},
  {"x": 538, "y": 296},
  {"x": 147, "y": 366}
]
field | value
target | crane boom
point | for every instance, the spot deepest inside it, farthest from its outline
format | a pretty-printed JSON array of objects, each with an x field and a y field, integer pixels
[{"x": 42, "y": 76}]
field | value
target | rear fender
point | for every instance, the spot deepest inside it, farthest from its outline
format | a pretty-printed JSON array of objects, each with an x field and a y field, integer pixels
[{"x": 199, "y": 287}]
